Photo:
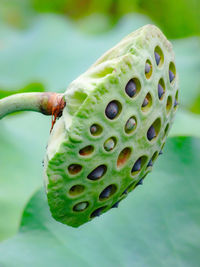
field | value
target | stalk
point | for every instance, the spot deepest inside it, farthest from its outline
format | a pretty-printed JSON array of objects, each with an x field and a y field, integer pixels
[{"x": 45, "y": 103}]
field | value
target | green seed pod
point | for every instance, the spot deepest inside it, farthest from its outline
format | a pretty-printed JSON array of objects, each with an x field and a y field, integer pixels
[{"x": 112, "y": 128}]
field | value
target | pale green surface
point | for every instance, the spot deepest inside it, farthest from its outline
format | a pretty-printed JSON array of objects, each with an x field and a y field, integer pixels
[{"x": 157, "y": 225}]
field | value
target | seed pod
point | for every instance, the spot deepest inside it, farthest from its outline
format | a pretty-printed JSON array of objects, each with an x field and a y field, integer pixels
[{"x": 114, "y": 120}]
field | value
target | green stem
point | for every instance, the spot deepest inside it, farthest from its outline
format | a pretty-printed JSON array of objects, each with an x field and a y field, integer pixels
[{"x": 46, "y": 103}]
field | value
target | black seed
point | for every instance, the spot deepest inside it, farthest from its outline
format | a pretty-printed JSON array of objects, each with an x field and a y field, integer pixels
[
  {"x": 151, "y": 133},
  {"x": 160, "y": 91},
  {"x": 140, "y": 182},
  {"x": 145, "y": 102},
  {"x": 106, "y": 192},
  {"x": 97, "y": 173},
  {"x": 137, "y": 165},
  {"x": 171, "y": 76},
  {"x": 125, "y": 192},
  {"x": 147, "y": 68},
  {"x": 131, "y": 88},
  {"x": 150, "y": 163},
  {"x": 93, "y": 129},
  {"x": 175, "y": 103},
  {"x": 97, "y": 212},
  {"x": 161, "y": 152},
  {"x": 157, "y": 58},
  {"x": 112, "y": 110},
  {"x": 116, "y": 205}
]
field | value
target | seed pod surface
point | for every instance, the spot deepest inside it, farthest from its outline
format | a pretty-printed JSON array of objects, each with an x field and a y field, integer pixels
[{"x": 116, "y": 116}]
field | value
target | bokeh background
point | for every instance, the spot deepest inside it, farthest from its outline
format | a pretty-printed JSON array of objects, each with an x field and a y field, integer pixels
[{"x": 44, "y": 45}]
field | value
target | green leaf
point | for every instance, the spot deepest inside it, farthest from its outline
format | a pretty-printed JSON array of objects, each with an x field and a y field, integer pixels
[{"x": 157, "y": 225}]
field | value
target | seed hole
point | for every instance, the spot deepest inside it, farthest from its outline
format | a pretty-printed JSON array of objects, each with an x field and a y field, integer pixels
[
  {"x": 154, "y": 129},
  {"x": 159, "y": 57},
  {"x": 147, "y": 103},
  {"x": 97, "y": 212},
  {"x": 169, "y": 104},
  {"x": 74, "y": 169},
  {"x": 123, "y": 157},
  {"x": 108, "y": 192},
  {"x": 81, "y": 206},
  {"x": 161, "y": 89},
  {"x": 151, "y": 161},
  {"x": 97, "y": 173},
  {"x": 113, "y": 109},
  {"x": 138, "y": 165},
  {"x": 133, "y": 87},
  {"x": 76, "y": 190},
  {"x": 86, "y": 150},
  {"x": 172, "y": 72},
  {"x": 110, "y": 144},
  {"x": 166, "y": 129},
  {"x": 130, "y": 125},
  {"x": 95, "y": 129},
  {"x": 176, "y": 100},
  {"x": 148, "y": 69}
]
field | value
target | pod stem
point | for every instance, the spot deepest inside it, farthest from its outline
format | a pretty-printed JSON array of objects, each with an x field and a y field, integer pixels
[{"x": 46, "y": 103}]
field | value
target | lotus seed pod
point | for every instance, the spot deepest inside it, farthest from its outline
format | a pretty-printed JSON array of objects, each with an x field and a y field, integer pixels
[{"x": 113, "y": 127}]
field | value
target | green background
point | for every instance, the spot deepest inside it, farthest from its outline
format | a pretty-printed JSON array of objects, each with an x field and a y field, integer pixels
[{"x": 44, "y": 45}]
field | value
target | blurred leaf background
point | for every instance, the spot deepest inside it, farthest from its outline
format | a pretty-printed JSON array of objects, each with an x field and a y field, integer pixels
[{"x": 44, "y": 45}]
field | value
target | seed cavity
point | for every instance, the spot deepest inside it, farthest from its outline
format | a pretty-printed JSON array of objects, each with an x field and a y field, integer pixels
[
  {"x": 169, "y": 104},
  {"x": 95, "y": 129},
  {"x": 86, "y": 151},
  {"x": 110, "y": 144},
  {"x": 113, "y": 109},
  {"x": 97, "y": 212},
  {"x": 123, "y": 157},
  {"x": 152, "y": 160},
  {"x": 76, "y": 190},
  {"x": 148, "y": 69},
  {"x": 133, "y": 87},
  {"x": 159, "y": 57},
  {"x": 154, "y": 129},
  {"x": 81, "y": 206},
  {"x": 161, "y": 89},
  {"x": 97, "y": 173},
  {"x": 147, "y": 103},
  {"x": 74, "y": 168},
  {"x": 172, "y": 72},
  {"x": 176, "y": 100},
  {"x": 130, "y": 125},
  {"x": 108, "y": 192},
  {"x": 138, "y": 165},
  {"x": 115, "y": 205}
]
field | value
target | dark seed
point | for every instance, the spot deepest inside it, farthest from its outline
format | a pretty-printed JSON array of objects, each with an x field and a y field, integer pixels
[
  {"x": 93, "y": 129},
  {"x": 112, "y": 110},
  {"x": 160, "y": 91},
  {"x": 161, "y": 152},
  {"x": 137, "y": 165},
  {"x": 97, "y": 173},
  {"x": 150, "y": 163},
  {"x": 175, "y": 103},
  {"x": 140, "y": 182},
  {"x": 145, "y": 102},
  {"x": 171, "y": 76},
  {"x": 157, "y": 58},
  {"x": 97, "y": 212},
  {"x": 151, "y": 133},
  {"x": 147, "y": 68},
  {"x": 125, "y": 192},
  {"x": 106, "y": 192},
  {"x": 131, "y": 88},
  {"x": 116, "y": 205}
]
